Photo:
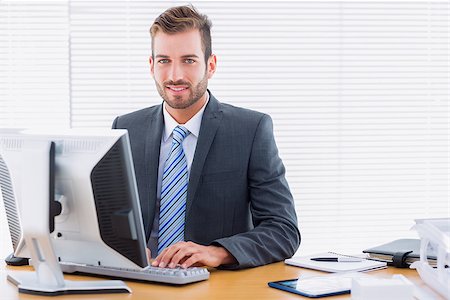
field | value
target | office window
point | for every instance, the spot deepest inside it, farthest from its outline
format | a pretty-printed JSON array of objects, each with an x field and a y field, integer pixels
[
  {"x": 34, "y": 63},
  {"x": 358, "y": 92}
]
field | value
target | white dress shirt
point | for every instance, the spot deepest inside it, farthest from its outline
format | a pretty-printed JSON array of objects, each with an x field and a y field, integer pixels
[{"x": 189, "y": 144}]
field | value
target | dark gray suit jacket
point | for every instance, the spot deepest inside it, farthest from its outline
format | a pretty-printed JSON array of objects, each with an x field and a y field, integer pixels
[{"x": 238, "y": 196}]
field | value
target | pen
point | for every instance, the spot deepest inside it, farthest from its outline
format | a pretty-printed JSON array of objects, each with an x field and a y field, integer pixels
[{"x": 337, "y": 259}]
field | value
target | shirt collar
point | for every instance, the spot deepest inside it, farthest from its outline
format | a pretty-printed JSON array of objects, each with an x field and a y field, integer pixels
[{"x": 193, "y": 125}]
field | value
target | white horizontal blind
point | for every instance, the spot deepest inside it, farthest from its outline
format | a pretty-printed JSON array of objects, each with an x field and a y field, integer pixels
[
  {"x": 109, "y": 59},
  {"x": 34, "y": 63},
  {"x": 358, "y": 92},
  {"x": 34, "y": 71}
]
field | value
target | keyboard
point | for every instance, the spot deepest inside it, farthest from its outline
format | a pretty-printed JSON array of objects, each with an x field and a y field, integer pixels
[{"x": 152, "y": 274}]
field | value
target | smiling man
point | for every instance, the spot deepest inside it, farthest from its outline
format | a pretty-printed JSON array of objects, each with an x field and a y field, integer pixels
[
  {"x": 181, "y": 71},
  {"x": 211, "y": 184}
]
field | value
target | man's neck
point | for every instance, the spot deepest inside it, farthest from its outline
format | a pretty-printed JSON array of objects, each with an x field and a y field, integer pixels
[{"x": 185, "y": 114}]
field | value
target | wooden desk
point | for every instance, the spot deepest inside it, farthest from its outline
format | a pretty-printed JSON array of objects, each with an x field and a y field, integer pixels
[{"x": 248, "y": 284}]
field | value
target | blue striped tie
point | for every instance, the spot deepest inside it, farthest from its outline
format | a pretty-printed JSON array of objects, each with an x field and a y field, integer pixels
[{"x": 173, "y": 193}]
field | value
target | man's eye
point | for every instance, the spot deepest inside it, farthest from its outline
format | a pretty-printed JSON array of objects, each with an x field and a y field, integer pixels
[
  {"x": 189, "y": 61},
  {"x": 163, "y": 61}
]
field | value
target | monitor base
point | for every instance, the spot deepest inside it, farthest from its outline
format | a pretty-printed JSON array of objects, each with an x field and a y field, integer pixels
[{"x": 27, "y": 283}]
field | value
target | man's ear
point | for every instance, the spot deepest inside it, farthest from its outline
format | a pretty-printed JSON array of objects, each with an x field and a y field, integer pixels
[
  {"x": 211, "y": 65},
  {"x": 152, "y": 66}
]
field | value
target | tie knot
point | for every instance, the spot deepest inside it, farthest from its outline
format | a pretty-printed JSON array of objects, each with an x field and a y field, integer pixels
[{"x": 179, "y": 133}]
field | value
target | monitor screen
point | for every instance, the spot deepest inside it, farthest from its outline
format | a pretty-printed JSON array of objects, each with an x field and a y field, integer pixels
[{"x": 99, "y": 221}]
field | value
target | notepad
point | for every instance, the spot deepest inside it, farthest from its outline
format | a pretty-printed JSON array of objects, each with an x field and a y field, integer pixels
[{"x": 334, "y": 267}]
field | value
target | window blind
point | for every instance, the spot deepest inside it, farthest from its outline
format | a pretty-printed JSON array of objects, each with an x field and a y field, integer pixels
[
  {"x": 34, "y": 63},
  {"x": 34, "y": 71},
  {"x": 358, "y": 92}
]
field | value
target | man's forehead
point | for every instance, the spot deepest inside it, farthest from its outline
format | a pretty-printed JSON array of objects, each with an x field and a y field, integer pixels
[{"x": 185, "y": 43}]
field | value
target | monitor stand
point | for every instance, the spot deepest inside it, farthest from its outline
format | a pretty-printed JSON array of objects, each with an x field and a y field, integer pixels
[
  {"x": 47, "y": 279},
  {"x": 30, "y": 283}
]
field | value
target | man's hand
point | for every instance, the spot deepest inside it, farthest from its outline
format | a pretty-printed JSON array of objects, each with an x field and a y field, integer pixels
[{"x": 189, "y": 254}]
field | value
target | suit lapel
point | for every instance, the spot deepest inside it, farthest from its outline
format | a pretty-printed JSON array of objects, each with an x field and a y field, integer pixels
[
  {"x": 152, "y": 151},
  {"x": 210, "y": 122}
]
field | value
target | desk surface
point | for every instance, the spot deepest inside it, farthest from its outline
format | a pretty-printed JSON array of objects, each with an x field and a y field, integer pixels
[{"x": 244, "y": 284}]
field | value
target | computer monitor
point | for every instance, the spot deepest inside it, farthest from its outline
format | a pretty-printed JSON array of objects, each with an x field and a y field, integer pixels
[
  {"x": 99, "y": 221},
  {"x": 11, "y": 210}
]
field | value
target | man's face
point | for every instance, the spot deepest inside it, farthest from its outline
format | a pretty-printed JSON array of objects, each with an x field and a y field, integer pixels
[{"x": 179, "y": 69}]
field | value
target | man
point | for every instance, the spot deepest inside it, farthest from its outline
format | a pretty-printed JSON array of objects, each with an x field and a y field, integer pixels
[{"x": 211, "y": 184}]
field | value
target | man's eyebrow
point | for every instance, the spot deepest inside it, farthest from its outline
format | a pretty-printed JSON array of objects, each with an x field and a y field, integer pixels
[
  {"x": 183, "y": 56},
  {"x": 189, "y": 55}
]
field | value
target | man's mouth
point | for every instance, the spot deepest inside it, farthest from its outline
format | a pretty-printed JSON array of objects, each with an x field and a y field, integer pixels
[{"x": 177, "y": 89}]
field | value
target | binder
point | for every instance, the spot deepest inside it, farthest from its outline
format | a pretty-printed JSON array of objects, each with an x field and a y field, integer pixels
[{"x": 400, "y": 253}]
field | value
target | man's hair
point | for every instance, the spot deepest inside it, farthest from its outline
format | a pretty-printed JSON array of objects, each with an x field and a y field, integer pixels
[{"x": 181, "y": 19}]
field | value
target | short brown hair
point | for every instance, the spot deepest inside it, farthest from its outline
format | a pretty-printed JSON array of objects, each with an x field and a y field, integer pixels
[{"x": 183, "y": 18}]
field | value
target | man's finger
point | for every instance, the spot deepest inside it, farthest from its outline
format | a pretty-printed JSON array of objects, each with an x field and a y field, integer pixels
[
  {"x": 155, "y": 263},
  {"x": 185, "y": 251},
  {"x": 166, "y": 256},
  {"x": 192, "y": 260}
]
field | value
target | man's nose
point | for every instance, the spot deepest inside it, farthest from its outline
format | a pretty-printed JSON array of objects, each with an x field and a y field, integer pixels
[{"x": 176, "y": 72}]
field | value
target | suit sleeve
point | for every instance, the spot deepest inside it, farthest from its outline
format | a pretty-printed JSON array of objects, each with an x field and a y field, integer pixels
[{"x": 275, "y": 235}]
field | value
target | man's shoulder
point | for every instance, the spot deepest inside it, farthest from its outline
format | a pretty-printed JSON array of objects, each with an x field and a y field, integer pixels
[
  {"x": 240, "y": 112},
  {"x": 144, "y": 112},
  {"x": 138, "y": 116}
]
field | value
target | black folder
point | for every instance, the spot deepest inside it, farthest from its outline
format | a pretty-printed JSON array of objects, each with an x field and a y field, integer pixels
[{"x": 401, "y": 253}]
